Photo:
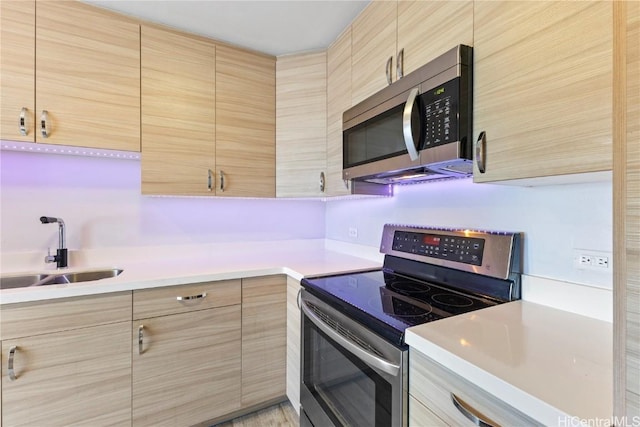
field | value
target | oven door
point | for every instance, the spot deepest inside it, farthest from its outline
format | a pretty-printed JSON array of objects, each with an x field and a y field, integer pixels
[{"x": 349, "y": 375}]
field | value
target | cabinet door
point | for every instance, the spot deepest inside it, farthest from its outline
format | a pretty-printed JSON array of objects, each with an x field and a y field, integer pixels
[
  {"x": 17, "y": 80},
  {"x": 420, "y": 415},
  {"x": 301, "y": 124},
  {"x": 293, "y": 343},
  {"x": 428, "y": 29},
  {"x": 186, "y": 368},
  {"x": 245, "y": 123},
  {"x": 338, "y": 100},
  {"x": 178, "y": 113},
  {"x": 373, "y": 44},
  {"x": 543, "y": 99},
  {"x": 75, "y": 377},
  {"x": 264, "y": 339},
  {"x": 88, "y": 76}
]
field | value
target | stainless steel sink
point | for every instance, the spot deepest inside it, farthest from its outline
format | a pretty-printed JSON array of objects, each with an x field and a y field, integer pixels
[{"x": 24, "y": 281}]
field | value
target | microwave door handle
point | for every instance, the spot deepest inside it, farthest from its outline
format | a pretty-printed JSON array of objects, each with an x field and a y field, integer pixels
[
  {"x": 406, "y": 124},
  {"x": 362, "y": 354}
]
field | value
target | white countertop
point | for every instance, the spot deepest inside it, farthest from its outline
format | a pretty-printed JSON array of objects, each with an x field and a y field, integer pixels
[{"x": 550, "y": 364}]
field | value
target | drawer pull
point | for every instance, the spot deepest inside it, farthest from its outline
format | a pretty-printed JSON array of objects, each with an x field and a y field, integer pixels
[
  {"x": 388, "y": 69},
  {"x": 209, "y": 180},
  {"x": 481, "y": 152},
  {"x": 140, "y": 339},
  {"x": 44, "y": 124},
  {"x": 22, "y": 122},
  {"x": 476, "y": 417},
  {"x": 192, "y": 297},
  {"x": 12, "y": 353}
]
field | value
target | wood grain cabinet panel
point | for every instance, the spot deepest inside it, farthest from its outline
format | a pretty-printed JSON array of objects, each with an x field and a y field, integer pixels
[
  {"x": 186, "y": 367},
  {"x": 18, "y": 61},
  {"x": 544, "y": 102},
  {"x": 338, "y": 100},
  {"x": 421, "y": 416},
  {"x": 301, "y": 124},
  {"x": 373, "y": 35},
  {"x": 178, "y": 113},
  {"x": 245, "y": 123},
  {"x": 264, "y": 339},
  {"x": 428, "y": 29},
  {"x": 293, "y": 343},
  {"x": 88, "y": 76}
]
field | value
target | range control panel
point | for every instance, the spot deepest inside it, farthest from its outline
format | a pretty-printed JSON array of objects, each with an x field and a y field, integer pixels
[{"x": 467, "y": 250}]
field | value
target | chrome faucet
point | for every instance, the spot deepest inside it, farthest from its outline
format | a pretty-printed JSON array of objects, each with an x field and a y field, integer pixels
[{"x": 60, "y": 258}]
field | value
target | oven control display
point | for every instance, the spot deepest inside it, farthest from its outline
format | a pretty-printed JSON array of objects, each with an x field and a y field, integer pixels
[{"x": 467, "y": 250}]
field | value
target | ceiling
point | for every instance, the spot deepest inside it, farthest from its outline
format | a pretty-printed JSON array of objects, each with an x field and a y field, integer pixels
[{"x": 273, "y": 27}]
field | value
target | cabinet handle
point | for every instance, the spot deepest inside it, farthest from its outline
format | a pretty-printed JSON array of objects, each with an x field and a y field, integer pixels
[
  {"x": 346, "y": 183},
  {"x": 44, "y": 129},
  {"x": 298, "y": 298},
  {"x": 140, "y": 339},
  {"x": 209, "y": 180},
  {"x": 388, "y": 69},
  {"x": 476, "y": 417},
  {"x": 192, "y": 297},
  {"x": 22, "y": 122},
  {"x": 222, "y": 181},
  {"x": 481, "y": 152},
  {"x": 322, "y": 182},
  {"x": 400, "y": 64},
  {"x": 406, "y": 124},
  {"x": 12, "y": 353}
]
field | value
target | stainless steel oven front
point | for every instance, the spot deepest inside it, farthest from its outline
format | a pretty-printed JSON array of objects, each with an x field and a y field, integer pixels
[{"x": 350, "y": 376}]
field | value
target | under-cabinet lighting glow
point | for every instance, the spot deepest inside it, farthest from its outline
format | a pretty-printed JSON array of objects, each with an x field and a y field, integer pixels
[{"x": 67, "y": 150}]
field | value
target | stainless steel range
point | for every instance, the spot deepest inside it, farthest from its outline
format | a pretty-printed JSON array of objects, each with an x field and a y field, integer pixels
[{"x": 354, "y": 358}]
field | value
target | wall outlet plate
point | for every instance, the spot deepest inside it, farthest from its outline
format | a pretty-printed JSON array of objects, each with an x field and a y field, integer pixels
[{"x": 587, "y": 259}]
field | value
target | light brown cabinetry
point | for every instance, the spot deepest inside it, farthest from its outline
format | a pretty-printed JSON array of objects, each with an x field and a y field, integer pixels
[
  {"x": 178, "y": 113},
  {"x": 17, "y": 56},
  {"x": 186, "y": 364},
  {"x": 338, "y": 100},
  {"x": 434, "y": 387},
  {"x": 245, "y": 123},
  {"x": 264, "y": 339},
  {"x": 67, "y": 362},
  {"x": 77, "y": 72},
  {"x": 293, "y": 343},
  {"x": 301, "y": 124},
  {"x": 543, "y": 101}
]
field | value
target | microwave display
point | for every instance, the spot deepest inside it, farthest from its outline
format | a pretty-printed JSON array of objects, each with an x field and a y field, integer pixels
[{"x": 441, "y": 112}]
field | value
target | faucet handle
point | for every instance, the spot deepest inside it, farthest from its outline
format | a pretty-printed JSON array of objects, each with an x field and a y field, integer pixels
[{"x": 49, "y": 257}]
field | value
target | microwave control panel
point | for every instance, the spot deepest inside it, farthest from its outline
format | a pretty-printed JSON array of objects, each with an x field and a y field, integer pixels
[
  {"x": 440, "y": 109},
  {"x": 467, "y": 250}
]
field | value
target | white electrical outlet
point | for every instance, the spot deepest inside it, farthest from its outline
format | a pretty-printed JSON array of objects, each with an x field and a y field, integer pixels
[
  {"x": 591, "y": 260},
  {"x": 353, "y": 232},
  {"x": 584, "y": 260},
  {"x": 601, "y": 261}
]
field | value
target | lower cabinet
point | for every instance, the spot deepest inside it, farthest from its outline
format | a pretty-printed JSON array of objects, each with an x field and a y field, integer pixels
[
  {"x": 187, "y": 366},
  {"x": 440, "y": 397},
  {"x": 293, "y": 343},
  {"x": 67, "y": 362}
]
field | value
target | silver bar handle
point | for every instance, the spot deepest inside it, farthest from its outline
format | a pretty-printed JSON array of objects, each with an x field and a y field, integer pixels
[
  {"x": 12, "y": 354},
  {"x": 362, "y": 354},
  {"x": 473, "y": 415},
  {"x": 192, "y": 297},
  {"x": 222, "y": 181},
  {"x": 388, "y": 69},
  {"x": 322, "y": 182},
  {"x": 140, "y": 339},
  {"x": 406, "y": 124},
  {"x": 481, "y": 152},
  {"x": 22, "y": 122},
  {"x": 400, "y": 64},
  {"x": 298, "y": 298},
  {"x": 44, "y": 128},
  {"x": 209, "y": 180}
]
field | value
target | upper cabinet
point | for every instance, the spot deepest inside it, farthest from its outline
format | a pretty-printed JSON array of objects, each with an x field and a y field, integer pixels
[
  {"x": 245, "y": 123},
  {"x": 85, "y": 90},
  {"x": 87, "y": 77},
  {"x": 373, "y": 41},
  {"x": 542, "y": 88},
  {"x": 301, "y": 124},
  {"x": 18, "y": 59},
  {"x": 178, "y": 113},
  {"x": 338, "y": 100}
]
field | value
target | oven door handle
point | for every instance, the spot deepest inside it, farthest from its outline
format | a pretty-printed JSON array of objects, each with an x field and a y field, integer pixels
[{"x": 362, "y": 354}]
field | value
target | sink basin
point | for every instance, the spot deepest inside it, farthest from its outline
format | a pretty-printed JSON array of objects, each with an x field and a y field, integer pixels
[{"x": 24, "y": 281}]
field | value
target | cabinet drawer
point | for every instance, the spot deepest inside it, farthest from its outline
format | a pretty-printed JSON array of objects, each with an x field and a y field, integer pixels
[
  {"x": 433, "y": 385},
  {"x": 42, "y": 317},
  {"x": 182, "y": 299}
]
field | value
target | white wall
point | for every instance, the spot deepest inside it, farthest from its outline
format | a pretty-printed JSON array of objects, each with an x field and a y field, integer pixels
[
  {"x": 100, "y": 201},
  {"x": 555, "y": 220}
]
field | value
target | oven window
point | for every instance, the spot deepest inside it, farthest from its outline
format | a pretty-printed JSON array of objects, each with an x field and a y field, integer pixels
[{"x": 350, "y": 392}]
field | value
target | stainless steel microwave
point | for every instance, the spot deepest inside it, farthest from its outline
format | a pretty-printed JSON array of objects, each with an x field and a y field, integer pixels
[{"x": 416, "y": 129}]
